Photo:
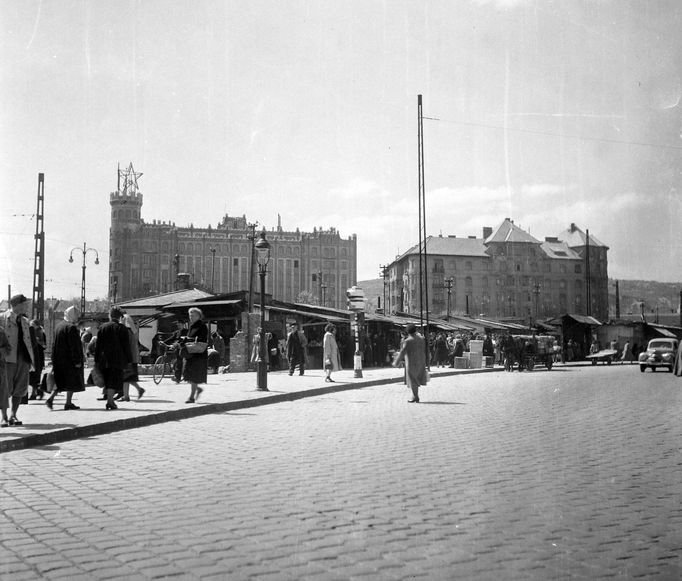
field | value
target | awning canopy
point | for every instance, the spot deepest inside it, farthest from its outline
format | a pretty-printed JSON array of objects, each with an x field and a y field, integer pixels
[{"x": 212, "y": 309}]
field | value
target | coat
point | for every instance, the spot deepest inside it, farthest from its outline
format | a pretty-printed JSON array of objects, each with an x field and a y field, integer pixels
[
  {"x": 412, "y": 352},
  {"x": 67, "y": 358},
  {"x": 196, "y": 365},
  {"x": 295, "y": 347},
  {"x": 112, "y": 350},
  {"x": 8, "y": 322},
  {"x": 330, "y": 351}
]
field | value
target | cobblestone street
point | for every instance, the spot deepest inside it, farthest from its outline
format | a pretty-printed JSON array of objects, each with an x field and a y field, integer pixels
[{"x": 570, "y": 474}]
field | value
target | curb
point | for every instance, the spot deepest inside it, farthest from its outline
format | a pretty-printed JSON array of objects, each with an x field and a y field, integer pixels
[{"x": 57, "y": 436}]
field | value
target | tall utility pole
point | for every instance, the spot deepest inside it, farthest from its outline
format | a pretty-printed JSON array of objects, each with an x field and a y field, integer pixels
[
  {"x": 423, "y": 256},
  {"x": 587, "y": 273},
  {"x": 39, "y": 256}
]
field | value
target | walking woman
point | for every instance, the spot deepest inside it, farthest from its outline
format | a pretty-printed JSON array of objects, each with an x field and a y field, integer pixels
[
  {"x": 196, "y": 364},
  {"x": 67, "y": 359},
  {"x": 130, "y": 374},
  {"x": 330, "y": 349}
]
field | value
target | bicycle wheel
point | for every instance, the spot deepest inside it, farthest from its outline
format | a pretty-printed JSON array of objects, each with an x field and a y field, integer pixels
[{"x": 159, "y": 369}]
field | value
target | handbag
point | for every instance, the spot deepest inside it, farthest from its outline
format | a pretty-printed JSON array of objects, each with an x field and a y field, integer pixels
[
  {"x": 97, "y": 376},
  {"x": 328, "y": 364},
  {"x": 196, "y": 347},
  {"x": 47, "y": 382}
]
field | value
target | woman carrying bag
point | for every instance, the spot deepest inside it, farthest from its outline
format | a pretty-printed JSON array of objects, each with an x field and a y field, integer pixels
[
  {"x": 195, "y": 370},
  {"x": 330, "y": 350}
]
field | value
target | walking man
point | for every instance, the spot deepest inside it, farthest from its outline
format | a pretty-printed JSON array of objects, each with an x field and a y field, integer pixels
[
  {"x": 295, "y": 351},
  {"x": 412, "y": 352},
  {"x": 20, "y": 358}
]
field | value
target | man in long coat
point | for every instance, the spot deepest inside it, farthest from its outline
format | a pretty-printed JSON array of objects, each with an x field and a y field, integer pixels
[
  {"x": 412, "y": 352},
  {"x": 19, "y": 359},
  {"x": 295, "y": 350}
]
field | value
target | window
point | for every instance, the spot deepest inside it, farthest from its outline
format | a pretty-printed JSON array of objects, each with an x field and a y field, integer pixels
[
  {"x": 468, "y": 265},
  {"x": 235, "y": 262},
  {"x": 295, "y": 263},
  {"x": 518, "y": 268},
  {"x": 578, "y": 268}
]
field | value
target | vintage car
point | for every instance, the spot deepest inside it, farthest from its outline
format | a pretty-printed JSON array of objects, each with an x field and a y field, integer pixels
[{"x": 659, "y": 353}]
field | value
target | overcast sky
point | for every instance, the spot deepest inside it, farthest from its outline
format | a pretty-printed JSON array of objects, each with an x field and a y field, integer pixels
[{"x": 547, "y": 112}]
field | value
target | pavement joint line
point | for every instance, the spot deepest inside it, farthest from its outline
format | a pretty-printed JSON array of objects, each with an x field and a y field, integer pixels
[{"x": 99, "y": 429}]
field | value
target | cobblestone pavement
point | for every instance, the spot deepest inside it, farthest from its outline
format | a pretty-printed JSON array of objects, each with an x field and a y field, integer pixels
[{"x": 570, "y": 474}]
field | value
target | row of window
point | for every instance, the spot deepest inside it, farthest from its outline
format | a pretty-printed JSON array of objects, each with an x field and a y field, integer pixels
[{"x": 564, "y": 268}]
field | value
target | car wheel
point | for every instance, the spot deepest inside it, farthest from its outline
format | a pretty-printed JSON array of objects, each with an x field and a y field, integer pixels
[
  {"x": 642, "y": 368},
  {"x": 609, "y": 361},
  {"x": 653, "y": 368},
  {"x": 670, "y": 368}
]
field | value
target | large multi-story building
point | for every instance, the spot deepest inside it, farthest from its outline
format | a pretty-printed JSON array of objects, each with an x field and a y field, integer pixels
[
  {"x": 505, "y": 274},
  {"x": 146, "y": 258}
]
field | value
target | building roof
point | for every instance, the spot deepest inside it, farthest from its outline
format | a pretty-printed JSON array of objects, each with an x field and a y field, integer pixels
[
  {"x": 510, "y": 232},
  {"x": 559, "y": 250},
  {"x": 450, "y": 246},
  {"x": 180, "y": 296},
  {"x": 575, "y": 237}
]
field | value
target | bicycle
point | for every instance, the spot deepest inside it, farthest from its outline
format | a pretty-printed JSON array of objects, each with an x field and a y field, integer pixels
[{"x": 164, "y": 364}]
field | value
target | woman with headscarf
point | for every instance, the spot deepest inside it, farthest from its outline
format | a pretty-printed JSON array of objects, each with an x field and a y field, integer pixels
[
  {"x": 330, "y": 352},
  {"x": 130, "y": 373},
  {"x": 195, "y": 370},
  {"x": 67, "y": 359}
]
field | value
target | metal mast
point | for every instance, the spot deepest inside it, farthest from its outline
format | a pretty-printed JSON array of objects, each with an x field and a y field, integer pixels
[
  {"x": 423, "y": 263},
  {"x": 39, "y": 256}
]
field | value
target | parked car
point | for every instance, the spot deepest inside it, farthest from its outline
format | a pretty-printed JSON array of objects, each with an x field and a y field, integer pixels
[{"x": 659, "y": 353}]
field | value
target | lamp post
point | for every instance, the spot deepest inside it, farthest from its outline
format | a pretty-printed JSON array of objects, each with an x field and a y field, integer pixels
[
  {"x": 324, "y": 294},
  {"x": 212, "y": 251},
  {"x": 384, "y": 275},
  {"x": 356, "y": 304},
  {"x": 85, "y": 251},
  {"x": 448, "y": 282},
  {"x": 263, "y": 256},
  {"x": 536, "y": 292}
]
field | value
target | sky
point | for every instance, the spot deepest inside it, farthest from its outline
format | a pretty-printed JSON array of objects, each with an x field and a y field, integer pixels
[{"x": 544, "y": 111}]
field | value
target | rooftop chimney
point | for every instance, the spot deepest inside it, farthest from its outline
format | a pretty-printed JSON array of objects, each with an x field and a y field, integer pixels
[{"x": 487, "y": 232}]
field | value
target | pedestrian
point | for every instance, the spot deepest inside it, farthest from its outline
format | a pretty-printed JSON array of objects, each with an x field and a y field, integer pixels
[
  {"x": 39, "y": 343},
  {"x": 195, "y": 370},
  {"x": 440, "y": 350},
  {"x": 67, "y": 359},
  {"x": 4, "y": 352},
  {"x": 219, "y": 346},
  {"x": 295, "y": 352},
  {"x": 112, "y": 354},
  {"x": 20, "y": 357},
  {"x": 412, "y": 352},
  {"x": 627, "y": 354},
  {"x": 330, "y": 352},
  {"x": 677, "y": 368},
  {"x": 130, "y": 373},
  {"x": 273, "y": 350},
  {"x": 175, "y": 341}
]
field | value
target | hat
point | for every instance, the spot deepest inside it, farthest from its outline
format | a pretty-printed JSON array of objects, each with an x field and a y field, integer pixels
[{"x": 17, "y": 300}]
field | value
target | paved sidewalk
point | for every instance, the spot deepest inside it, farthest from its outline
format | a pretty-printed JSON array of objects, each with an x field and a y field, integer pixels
[{"x": 166, "y": 402}]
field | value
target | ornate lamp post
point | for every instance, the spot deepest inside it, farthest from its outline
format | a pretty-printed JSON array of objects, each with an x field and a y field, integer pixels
[
  {"x": 448, "y": 282},
  {"x": 263, "y": 256},
  {"x": 85, "y": 251}
]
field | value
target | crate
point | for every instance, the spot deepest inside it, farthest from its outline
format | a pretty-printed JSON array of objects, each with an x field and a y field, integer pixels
[
  {"x": 475, "y": 360},
  {"x": 461, "y": 363},
  {"x": 488, "y": 361}
]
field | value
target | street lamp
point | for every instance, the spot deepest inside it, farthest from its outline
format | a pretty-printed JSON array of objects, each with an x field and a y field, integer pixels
[
  {"x": 212, "y": 251},
  {"x": 85, "y": 251},
  {"x": 448, "y": 282},
  {"x": 384, "y": 275},
  {"x": 263, "y": 256},
  {"x": 324, "y": 294}
]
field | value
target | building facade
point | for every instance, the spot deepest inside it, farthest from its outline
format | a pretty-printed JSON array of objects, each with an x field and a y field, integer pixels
[
  {"x": 151, "y": 258},
  {"x": 505, "y": 274}
]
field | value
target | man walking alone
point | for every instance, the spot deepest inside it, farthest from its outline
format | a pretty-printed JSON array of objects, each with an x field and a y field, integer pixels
[{"x": 412, "y": 352}]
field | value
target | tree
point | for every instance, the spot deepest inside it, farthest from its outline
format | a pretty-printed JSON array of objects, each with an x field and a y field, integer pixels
[{"x": 306, "y": 297}]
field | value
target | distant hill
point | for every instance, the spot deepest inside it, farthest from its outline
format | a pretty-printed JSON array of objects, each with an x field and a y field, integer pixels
[{"x": 662, "y": 295}]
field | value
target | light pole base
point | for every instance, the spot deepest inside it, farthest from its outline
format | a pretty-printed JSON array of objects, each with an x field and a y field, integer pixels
[
  {"x": 357, "y": 367},
  {"x": 262, "y": 389}
]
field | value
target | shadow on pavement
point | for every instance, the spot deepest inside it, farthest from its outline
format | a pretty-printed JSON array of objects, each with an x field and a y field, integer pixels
[{"x": 442, "y": 403}]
